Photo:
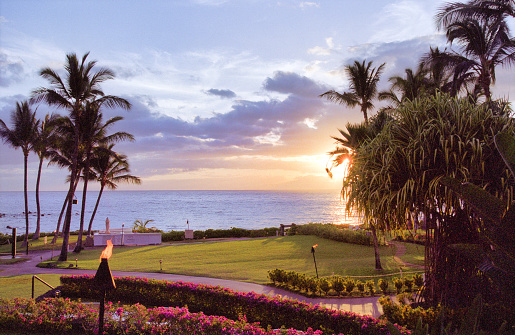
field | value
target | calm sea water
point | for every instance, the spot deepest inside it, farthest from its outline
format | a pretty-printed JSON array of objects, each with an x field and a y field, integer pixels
[{"x": 171, "y": 209}]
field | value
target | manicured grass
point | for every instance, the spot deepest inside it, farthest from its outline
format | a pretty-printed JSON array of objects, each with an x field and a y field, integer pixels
[
  {"x": 414, "y": 253},
  {"x": 10, "y": 261},
  {"x": 36, "y": 245},
  {"x": 244, "y": 260},
  {"x": 21, "y": 286}
]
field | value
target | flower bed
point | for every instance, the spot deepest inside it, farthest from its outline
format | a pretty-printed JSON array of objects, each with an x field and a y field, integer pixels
[
  {"x": 63, "y": 316},
  {"x": 211, "y": 300}
]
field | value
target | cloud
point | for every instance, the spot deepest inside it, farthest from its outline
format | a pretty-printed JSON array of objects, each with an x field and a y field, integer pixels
[
  {"x": 224, "y": 94},
  {"x": 11, "y": 71},
  {"x": 403, "y": 20},
  {"x": 306, "y": 4},
  {"x": 325, "y": 51},
  {"x": 293, "y": 83}
]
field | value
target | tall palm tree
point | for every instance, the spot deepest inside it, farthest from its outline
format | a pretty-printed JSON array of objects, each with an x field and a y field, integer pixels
[
  {"x": 415, "y": 84},
  {"x": 111, "y": 169},
  {"x": 490, "y": 11},
  {"x": 43, "y": 142},
  {"x": 81, "y": 84},
  {"x": 363, "y": 80},
  {"x": 482, "y": 33},
  {"x": 347, "y": 146},
  {"x": 94, "y": 132},
  {"x": 22, "y": 135}
]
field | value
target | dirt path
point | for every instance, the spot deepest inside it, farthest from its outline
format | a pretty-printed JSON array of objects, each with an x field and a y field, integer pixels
[{"x": 400, "y": 251}]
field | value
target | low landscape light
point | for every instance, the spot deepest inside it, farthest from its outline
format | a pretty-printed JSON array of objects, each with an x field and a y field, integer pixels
[{"x": 314, "y": 260}]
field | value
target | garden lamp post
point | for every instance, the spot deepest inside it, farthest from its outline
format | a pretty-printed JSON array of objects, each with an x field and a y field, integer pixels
[
  {"x": 314, "y": 260},
  {"x": 104, "y": 280},
  {"x": 13, "y": 245}
]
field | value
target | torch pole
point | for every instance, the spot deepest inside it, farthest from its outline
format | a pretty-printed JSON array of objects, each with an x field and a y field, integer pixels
[
  {"x": 314, "y": 260},
  {"x": 101, "y": 313}
]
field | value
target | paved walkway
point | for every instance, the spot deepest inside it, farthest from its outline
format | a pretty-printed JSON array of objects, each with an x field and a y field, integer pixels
[{"x": 363, "y": 306}]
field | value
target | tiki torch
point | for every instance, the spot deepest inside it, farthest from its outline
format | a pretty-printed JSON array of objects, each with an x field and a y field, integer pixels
[
  {"x": 104, "y": 280},
  {"x": 314, "y": 260}
]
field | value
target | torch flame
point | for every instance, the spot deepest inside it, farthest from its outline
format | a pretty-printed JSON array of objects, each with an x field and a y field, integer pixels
[
  {"x": 108, "y": 251},
  {"x": 316, "y": 245}
]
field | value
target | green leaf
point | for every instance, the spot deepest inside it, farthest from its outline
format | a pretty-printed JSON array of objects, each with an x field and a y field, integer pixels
[
  {"x": 505, "y": 143},
  {"x": 483, "y": 203}
]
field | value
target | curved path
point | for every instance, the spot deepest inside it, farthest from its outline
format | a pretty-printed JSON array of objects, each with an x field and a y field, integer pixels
[{"x": 363, "y": 306}]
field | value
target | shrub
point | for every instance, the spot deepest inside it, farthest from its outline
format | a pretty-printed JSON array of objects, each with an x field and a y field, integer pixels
[
  {"x": 338, "y": 284},
  {"x": 406, "y": 315},
  {"x": 324, "y": 285},
  {"x": 383, "y": 285},
  {"x": 350, "y": 284},
  {"x": 277, "y": 276},
  {"x": 335, "y": 232},
  {"x": 360, "y": 286},
  {"x": 398, "y": 283},
  {"x": 312, "y": 284},
  {"x": 211, "y": 300},
  {"x": 418, "y": 280},
  {"x": 292, "y": 278},
  {"x": 371, "y": 287},
  {"x": 408, "y": 282},
  {"x": 63, "y": 316},
  {"x": 172, "y": 236}
]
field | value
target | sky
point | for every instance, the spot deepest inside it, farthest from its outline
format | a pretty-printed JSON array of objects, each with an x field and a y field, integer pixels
[{"x": 224, "y": 93}]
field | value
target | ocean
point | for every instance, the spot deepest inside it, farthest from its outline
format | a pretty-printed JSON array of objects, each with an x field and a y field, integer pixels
[{"x": 171, "y": 210}]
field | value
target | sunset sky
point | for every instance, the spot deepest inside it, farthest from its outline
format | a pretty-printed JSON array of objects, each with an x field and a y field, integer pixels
[{"x": 224, "y": 92}]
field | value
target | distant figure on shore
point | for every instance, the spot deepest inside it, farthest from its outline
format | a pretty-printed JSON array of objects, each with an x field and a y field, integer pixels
[{"x": 107, "y": 225}]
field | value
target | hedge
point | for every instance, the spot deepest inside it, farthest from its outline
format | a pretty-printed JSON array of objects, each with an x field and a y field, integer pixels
[{"x": 274, "y": 312}]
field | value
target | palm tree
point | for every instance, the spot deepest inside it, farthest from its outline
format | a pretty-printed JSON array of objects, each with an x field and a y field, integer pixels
[
  {"x": 482, "y": 33},
  {"x": 362, "y": 89},
  {"x": 43, "y": 142},
  {"x": 22, "y": 136},
  {"x": 490, "y": 11},
  {"x": 356, "y": 136},
  {"x": 81, "y": 84},
  {"x": 93, "y": 132},
  {"x": 412, "y": 86},
  {"x": 111, "y": 169},
  {"x": 484, "y": 47}
]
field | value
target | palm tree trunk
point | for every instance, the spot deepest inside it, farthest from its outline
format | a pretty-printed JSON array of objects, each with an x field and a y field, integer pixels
[
  {"x": 78, "y": 246},
  {"x": 63, "y": 209},
  {"x": 26, "y": 239},
  {"x": 95, "y": 210},
  {"x": 56, "y": 233},
  {"x": 376, "y": 248},
  {"x": 63, "y": 257},
  {"x": 38, "y": 222}
]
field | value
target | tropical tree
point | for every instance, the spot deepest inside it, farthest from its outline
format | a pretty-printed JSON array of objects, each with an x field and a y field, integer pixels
[
  {"x": 397, "y": 175},
  {"x": 412, "y": 86},
  {"x": 356, "y": 136},
  {"x": 94, "y": 132},
  {"x": 22, "y": 135},
  {"x": 490, "y": 11},
  {"x": 43, "y": 142},
  {"x": 111, "y": 169},
  {"x": 480, "y": 29},
  {"x": 81, "y": 85},
  {"x": 363, "y": 80}
]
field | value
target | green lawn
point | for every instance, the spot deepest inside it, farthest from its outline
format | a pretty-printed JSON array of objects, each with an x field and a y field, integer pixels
[
  {"x": 36, "y": 245},
  {"x": 21, "y": 286},
  {"x": 245, "y": 260},
  {"x": 414, "y": 253}
]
